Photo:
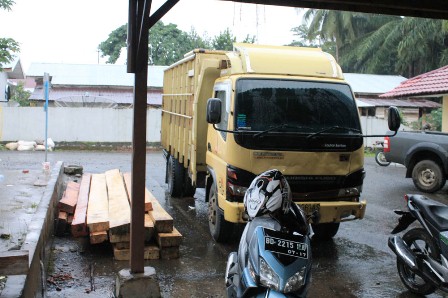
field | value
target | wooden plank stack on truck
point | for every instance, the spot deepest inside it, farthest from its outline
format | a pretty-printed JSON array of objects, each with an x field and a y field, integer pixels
[
  {"x": 424, "y": 154},
  {"x": 287, "y": 108}
]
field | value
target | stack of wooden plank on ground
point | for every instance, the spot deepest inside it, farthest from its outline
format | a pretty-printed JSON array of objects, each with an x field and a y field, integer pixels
[
  {"x": 103, "y": 213},
  {"x": 66, "y": 207}
]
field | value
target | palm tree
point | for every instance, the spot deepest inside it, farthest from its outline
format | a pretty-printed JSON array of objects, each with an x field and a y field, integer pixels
[
  {"x": 409, "y": 46},
  {"x": 330, "y": 25}
]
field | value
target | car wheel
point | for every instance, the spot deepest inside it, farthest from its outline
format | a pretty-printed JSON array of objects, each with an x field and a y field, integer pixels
[{"x": 428, "y": 176}]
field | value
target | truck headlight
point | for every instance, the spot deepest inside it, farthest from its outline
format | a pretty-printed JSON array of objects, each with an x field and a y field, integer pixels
[
  {"x": 296, "y": 281},
  {"x": 268, "y": 277}
]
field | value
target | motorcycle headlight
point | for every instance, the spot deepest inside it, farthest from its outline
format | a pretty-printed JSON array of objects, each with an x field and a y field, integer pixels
[
  {"x": 296, "y": 281},
  {"x": 268, "y": 277}
]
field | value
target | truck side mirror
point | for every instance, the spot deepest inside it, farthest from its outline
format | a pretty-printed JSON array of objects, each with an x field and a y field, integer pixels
[
  {"x": 394, "y": 119},
  {"x": 214, "y": 110}
]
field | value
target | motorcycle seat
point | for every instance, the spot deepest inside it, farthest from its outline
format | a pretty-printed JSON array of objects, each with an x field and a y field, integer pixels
[{"x": 434, "y": 212}]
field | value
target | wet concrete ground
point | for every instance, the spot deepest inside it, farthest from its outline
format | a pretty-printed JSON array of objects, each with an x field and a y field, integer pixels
[{"x": 357, "y": 263}]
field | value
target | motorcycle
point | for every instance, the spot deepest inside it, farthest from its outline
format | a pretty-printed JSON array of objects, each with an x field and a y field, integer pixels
[
  {"x": 422, "y": 252},
  {"x": 273, "y": 258},
  {"x": 379, "y": 156}
]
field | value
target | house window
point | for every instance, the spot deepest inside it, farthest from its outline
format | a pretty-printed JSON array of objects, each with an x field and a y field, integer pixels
[{"x": 368, "y": 111}]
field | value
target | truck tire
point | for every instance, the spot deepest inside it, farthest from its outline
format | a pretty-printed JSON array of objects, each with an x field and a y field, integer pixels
[
  {"x": 325, "y": 231},
  {"x": 220, "y": 229},
  {"x": 175, "y": 177},
  {"x": 189, "y": 189},
  {"x": 428, "y": 176}
]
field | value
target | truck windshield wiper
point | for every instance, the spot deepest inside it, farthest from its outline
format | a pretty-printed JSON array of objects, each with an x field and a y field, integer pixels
[
  {"x": 284, "y": 125},
  {"x": 332, "y": 128}
]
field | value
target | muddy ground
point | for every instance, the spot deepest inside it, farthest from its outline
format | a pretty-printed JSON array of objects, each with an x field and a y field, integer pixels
[{"x": 356, "y": 263}]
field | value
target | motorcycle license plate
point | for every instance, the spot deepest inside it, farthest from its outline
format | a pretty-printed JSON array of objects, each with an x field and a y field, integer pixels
[{"x": 282, "y": 243}]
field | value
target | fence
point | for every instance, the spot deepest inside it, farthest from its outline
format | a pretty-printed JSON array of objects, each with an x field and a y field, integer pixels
[
  {"x": 74, "y": 124},
  {"x": 103, "y": 125}
]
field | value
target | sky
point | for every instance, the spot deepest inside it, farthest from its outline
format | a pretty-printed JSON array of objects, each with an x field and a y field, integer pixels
[{"x": 62, "y": 31}]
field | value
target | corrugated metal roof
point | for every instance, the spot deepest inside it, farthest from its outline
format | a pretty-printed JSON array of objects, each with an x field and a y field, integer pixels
[
  {"x": 411, "y": 103},
  {"x": 93, "y": 74},
  {"x": 431, "y": 83},
  {"x": 372, "y": 84},
  {"x": 118, "y": 95}
]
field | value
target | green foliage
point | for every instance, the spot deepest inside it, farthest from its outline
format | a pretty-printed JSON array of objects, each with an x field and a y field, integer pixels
[
  {"x": 224, "y": 41},
  {"x": 6, "y": 4},
  {"x": 435, "y": 119},
  {"x": 20, "y": 95},
  {"x": 112, "y": 45},
  {"x": 8, "y": 46},
  {"x": 167, "y": 43},
  {"x": 380, "y": 44}
]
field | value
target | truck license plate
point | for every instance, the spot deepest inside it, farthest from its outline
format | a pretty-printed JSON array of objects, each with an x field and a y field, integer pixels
[
  {"x": 285, "y": 244},
  {"x": 309, "y": 208}
]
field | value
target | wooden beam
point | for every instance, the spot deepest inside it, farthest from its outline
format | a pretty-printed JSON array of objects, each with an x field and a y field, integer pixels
[
  {"x": 14, "y": 262},
  {"x": 119, "y": 209},
  {"x": 98, "y": 237},
  {"x": 163, "y": 222},
  {"x": 128, "y": 183},
  {"x": 169, "y": 239},
  {"x": 98, "y": 206},
  {"x": 435, "y": 9},
  {"x": 70, "y": 198},
  {"x": 79, "y": 226}
]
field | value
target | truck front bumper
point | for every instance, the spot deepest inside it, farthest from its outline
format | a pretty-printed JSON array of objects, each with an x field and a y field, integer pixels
[{"x": 338, "y": 211}]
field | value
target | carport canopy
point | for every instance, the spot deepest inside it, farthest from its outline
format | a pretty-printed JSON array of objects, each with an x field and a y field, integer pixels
[{"x": 140, "y": 21}]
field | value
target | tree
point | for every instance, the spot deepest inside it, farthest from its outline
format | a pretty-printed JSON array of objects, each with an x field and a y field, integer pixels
[
  {"x": 112, "y": 45},
  {"x": 167, "y": 43},
  {"x": 20, "y": 95},
  {"x": 404, "y": 45},
  {"x": 332, "y": 26},
  {"x": 224, "y": 41},
  {"x": 8, "y": 46}
]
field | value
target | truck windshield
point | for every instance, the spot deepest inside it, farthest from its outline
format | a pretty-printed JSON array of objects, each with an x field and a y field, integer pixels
[{"x": 270, "y": 108}]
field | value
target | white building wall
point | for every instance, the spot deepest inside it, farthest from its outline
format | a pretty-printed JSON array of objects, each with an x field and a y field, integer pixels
[
  {"x": 74, "y": 124},
  {"x": 105, "y": 125},
  {"x": 3, "y": 79}
]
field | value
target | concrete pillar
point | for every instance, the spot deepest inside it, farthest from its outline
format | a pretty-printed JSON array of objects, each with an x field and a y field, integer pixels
[
  {"x": 138, "y": 285},
  {"x": 445, "y": 113}
]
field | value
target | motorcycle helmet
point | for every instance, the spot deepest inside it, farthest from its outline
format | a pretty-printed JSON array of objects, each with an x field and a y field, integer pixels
[{"x": 269, "y": 192}]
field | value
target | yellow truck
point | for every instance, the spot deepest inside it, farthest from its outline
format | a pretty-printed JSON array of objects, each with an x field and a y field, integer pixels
[{"x": 230, "y": 115}]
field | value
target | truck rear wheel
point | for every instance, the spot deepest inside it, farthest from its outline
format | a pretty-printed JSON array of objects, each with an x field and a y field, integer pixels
[
  {"x": 428, "y": 176},
  {"x": 189, "y": 189},
  {"x": 175, "y": 177},
  {"x": 325, "y": 231},
  {"x": 220, "y": 229}
]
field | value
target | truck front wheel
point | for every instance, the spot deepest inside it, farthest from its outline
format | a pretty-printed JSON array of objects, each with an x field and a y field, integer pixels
[
  {"x": 428, "y": 176},
  {"x": 325, "y": 231},
  {"x": 175, "y": 177},
  {"x": 220, "y": 229}
]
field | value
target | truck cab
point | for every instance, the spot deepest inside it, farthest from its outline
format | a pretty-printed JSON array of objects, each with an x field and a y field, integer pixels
[{"x": 267, "y": 107}]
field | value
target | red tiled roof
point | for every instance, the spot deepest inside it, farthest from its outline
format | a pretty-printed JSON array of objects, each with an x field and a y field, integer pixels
[{"x": 431, "y": 83}]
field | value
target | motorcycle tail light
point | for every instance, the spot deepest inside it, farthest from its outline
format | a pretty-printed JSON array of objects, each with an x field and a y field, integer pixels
[
  {"x": 386, "y": 144},
  {"x": 406, "y": 198}
]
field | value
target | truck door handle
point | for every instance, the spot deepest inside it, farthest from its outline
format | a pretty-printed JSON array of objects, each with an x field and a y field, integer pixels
[{"x": 209, "y": 147}]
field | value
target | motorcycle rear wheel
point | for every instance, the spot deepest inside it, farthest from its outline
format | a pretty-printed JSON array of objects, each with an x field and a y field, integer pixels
[
  {"x": 381, "y": 159},
  {"x": 420, "y": 242}
]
